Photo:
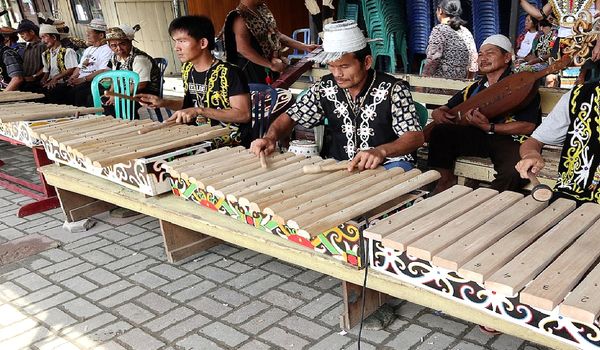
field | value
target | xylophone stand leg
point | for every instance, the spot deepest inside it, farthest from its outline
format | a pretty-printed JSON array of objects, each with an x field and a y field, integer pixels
[
  {"x": 79, "y": 208},
  {"x": 352, "y": 294},
  {"x": 181, "y": 243}
]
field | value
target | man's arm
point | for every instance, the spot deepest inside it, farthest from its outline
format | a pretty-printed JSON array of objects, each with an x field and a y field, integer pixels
[
  {"x": 282, "y": 126},
  {"x": 238, "y": 113},
  {"x": 531, "y": 157},
  {"x": 153, "y": 101},
  {"x": 534, "y": 11},
  {"x": 15, "y": 83},
  {"x": 372, "y": 158},
  {"x": 295, "y": 44},
  {"x": 243, "y": 39}
]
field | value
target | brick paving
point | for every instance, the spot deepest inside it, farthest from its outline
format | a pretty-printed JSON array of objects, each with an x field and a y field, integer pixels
[{"x": 111, "y": 288}]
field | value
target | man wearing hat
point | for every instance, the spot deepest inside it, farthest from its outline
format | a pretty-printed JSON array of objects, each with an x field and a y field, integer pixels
[
  {"x": 94, "y": 61},
  {"x": 371, "y": 118},
  {"x": 59, "y": 63},
  {"x": 498, "y": 138},
  {"x": 32, "y": 55},
  {"x": 11, "y": 38},
  {"x": 11, "y": 69}
]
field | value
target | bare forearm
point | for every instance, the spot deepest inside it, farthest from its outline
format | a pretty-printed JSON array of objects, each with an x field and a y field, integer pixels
[
  {"x": 14, "y": 84},
  {"x": 64, "y": 74},
  {"x": 514, "y": 128},
  {"x": 294, "y": 44},
  {"x": 531, "y": 147},
  {"x": 230, "y": 115},
  {"x": 282, "y": 126},
  {"x": 407, "y": 143}
]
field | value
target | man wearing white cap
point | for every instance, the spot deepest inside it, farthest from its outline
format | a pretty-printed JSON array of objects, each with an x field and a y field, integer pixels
[
  {"x": 498, "y": 138},
  {"x": 371, "y": 118},
  {"x": 93, "y": 62},
  {"x": 58, "y": 63}
]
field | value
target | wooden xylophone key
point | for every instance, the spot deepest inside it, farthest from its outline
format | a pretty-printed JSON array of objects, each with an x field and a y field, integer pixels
[
  {"x": 177, "y": 166},
  {"x": 462, "y": 249},
  {"x": 483, "y": 265},
  {"x": 512, "y": 277},
  {"x": 434, "y": 242},
  {"x": 583, "y": 304}
]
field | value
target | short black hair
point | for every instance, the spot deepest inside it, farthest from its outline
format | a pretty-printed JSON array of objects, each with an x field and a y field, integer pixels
[
  {"x": 198, "y": 27},
  {"x": 363, "y": 53},
  {"x": 56, "y": 36}
]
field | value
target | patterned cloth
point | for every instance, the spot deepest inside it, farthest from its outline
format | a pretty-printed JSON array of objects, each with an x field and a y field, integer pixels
[
  {"x": 262, "y": 25},
  {"x": 32, "y": 57},
  {"x": 450, "y": 53},
  {"x": 382, "y": 112},
  {"x": 10, "y": 65}
]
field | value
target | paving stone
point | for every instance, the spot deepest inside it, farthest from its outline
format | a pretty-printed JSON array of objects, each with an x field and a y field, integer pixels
[
  {"x": 123, "y": 296},
  {"x": 10, "y": 315},
  {"x": 196, "y": 342},
  {"x": 138, "y": 339},
  {"x": 10, "y": 291},
  {"x": 82, "y": 308},
  {"x": 117, "y": 250},
  {"x": 436, "y": 341},
  {"x": 243, "y": 255},
  {"x": 281, "y": 299},
  {"x": 98, "y": 257},
  {"x": 283, "y": 339},
  {"x": 182, "y": 328},
  {"x": 254, "y": 345},
  {"x": 132, "y": 240},
  {"x": 113, "y": 235},
  {"x": 224, "y": 249},
  {"x": 157, "y": 252},
  {"x": 259, "y": 260},
  {"x": 55, "y": 300},
  {"x": 75, "y": 331},
  {"x": 224, "y": 333},
  {"x": 443, "y": 323},
  {"x": 281, "y": 268},
  {"x": 131, "y": 229},
  {"x": 299, "y": 291},
  {"x": 101, "y": 276},
  {"x": 332, "y": 317},
  {"x": 308, "y": 276},
  {"x": 477, "y": 336},
  {"x": 168, "y": 271},
  {"x": 99, "y": 244},
  {"x": 71, "y": 272},
  {"x": 109, "y": 290},
  {"x": 412, "y": 335},
  {"x": 148, "y": 279},
  {"x": 506, "y": 342},
  {"x": 180, "y": 284},
  {"x": 55, "y": 319},
  {"x": 463, "y": 345},
  {"x": 134, "y": 313},
  {"x": 264, "y": 320},
  {"x": 11, "y": 233},
  {"x": 194, "y": 291},
  {"x": 54, "y": 343},
  {"x": 200, "y": 261},
  {"x": 245, "y": 312},
  {"x": 38, "y": 264},
  {"x": 141, "y": 265},
  {"x": 169, "y": 318},
  {"x": 396, "y": 325},
  {"x": 111, "y": 345},
  {"x": 319, "y": 305},
  {"x": 25, "y": 339},
  {"x": 147, "y": 244},
  {"x": 229, "y": 296},
  {"x": 308, "y": 328},
  {"x": 13, "y": 273},
  {"x": 79, "y": 285},
  {"x": 124, "y": 262},
  {"x": 65, "y": 264},
  {"x": 263, "y": 285},
  {"x": 363, "y": 346},
  {"x": 409, "y": 310},
  {"x": 215, "y": 274},
  {"x": 104, "y": 334},
  {"x": 209, "y": 306},
  {"x": 327, "y": 282},
  {"x": 18, "y": 327},
  {"x": 156, "y": 302},
  {"x": 332, "y": 341}
]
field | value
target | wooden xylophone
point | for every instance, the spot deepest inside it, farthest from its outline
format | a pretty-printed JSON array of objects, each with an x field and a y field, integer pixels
[
  {"x": 115, "y": 149},
  {"x": 28, "y": 111},
  {"x": 16, "y": 96},
  {"x": 531, "y": 262},
  {"x": 311, "y": 209}
]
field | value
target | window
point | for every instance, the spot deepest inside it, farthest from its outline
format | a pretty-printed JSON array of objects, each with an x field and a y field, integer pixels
[{"x": 86, "y": 10}]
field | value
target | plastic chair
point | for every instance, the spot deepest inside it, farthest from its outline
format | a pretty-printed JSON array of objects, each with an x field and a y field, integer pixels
[
  {"x": 162, "y": 65},
  {"x": 422, "y": 112},
  {"x": 306, "y": 40},
  {"x": 123, "y": 82},
  {"x": 261, "y": 116}
]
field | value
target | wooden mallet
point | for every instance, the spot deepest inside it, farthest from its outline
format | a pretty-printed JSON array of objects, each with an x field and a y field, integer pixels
[
  {"x": 263, "y": 160},
  {"x": 123, "y": 96},
  {"x": 316, "y": 168},
  {"x": 162, "y": 125},
  {"x": 540, "y": 192}
]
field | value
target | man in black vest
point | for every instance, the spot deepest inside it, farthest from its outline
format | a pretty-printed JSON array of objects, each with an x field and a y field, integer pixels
[{"x": 371, "y": 118}]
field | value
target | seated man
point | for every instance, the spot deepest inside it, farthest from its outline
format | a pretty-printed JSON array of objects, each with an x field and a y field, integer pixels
[
  {"x": 32, "y": 56},
  {"x": 128, "y": 57},
  {"x": 498, "y": 139},
  {"x": 577, "y": 131},
  {"x": 214, "y": 90},
  {"x": 11, "y": 69},
  {"x": 371, "y": 116},
  {"x": 58, "y": 63}
]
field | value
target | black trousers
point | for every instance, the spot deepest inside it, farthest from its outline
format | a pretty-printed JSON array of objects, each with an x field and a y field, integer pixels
[
  {"x": 448, "y": 142},
  {"x": 81, "y": 95}
]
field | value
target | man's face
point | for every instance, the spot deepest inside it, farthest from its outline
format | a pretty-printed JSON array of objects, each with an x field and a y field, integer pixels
[
  {"x": 27, "y": 35},
  {"x": 348, "y": 71},
  {"x": 120, "y": 47},
  {"x": 188, "y": 48},
  {"x": 49, "y": 40},
  {"x": 492, "y": 59},
  {"x": 92, "y": 36}
]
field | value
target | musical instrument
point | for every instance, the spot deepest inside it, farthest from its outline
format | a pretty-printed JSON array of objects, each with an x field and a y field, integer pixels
[
  {"x": 17, "y": 96},
  {"x": 112, "y": 148},
  {"x": 311, "y": 209},
  {"x": 292, "y": 73},
  {"x": 507, "y": 95},
  {"x": 316, "y": 168},
  {"x": 28, "y": 111},
  {"x": 123, "y": 96},
  {"x": 533, "y": 262},
  {"x": 539, "y": 192}
]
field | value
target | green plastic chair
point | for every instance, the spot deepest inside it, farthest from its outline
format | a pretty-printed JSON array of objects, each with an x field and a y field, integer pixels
[
  {"x": 123, "y": 82},
  {"x": 422, "y": 113}
]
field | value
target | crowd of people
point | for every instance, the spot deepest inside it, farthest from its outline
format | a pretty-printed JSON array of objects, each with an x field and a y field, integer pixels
[{"x": 369, "y": 117}]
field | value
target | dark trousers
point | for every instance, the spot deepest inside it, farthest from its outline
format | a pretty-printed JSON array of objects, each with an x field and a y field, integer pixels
[
  {"x": 81, "y": 95},
  {"x": 59, "y": 94},
  {"x": 448, "y": 142}
]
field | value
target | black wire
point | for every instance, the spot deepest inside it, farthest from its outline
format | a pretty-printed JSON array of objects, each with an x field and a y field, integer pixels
[{"x": 364, "y": 287}]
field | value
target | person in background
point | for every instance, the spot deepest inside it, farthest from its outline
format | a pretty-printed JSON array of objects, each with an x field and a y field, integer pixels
[
  {"x": 541, "y": 52},
  {"x": 32, "y": 56},
  {"x": 94, "y": 61},
  {"x": 11, "y": 39},
  {"x": 524, "y": 44},
  {"x": 451, "y": 52},
  {"x": 58, "y": 64},
  {"x": 11, "y": 69},
  {"x": 253, "y": 42}
]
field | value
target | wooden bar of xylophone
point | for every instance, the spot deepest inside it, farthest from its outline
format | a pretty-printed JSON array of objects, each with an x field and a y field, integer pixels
[
  {"x": 16, "y": 96},
  {"x": 29, "y": 111},
  {"x": 546, "y": 255}
]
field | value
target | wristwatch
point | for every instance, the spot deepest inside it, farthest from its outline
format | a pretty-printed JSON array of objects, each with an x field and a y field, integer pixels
[{"x": 492, "y": 129}]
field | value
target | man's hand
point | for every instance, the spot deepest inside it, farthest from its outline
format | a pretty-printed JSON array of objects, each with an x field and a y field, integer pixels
[
  {"x": 596, "y": 51},
  {"x": 185, "y": 116},
  {"x": 50, "y": 84},
  {"x": 531, "y": 162},
  {"x": 312, "y": 47},
  {"x": 76, "y": 81},
  {"x": 441, "y": 116},
  {"x": 277, "y": 65},
  {"x": 475, "y": 118},
  {"x": 367, "y": 159},
  {"x": 150, "y": 101},
  {"x": 266, "y": 145},
  {"x": 110, "y": 101}
]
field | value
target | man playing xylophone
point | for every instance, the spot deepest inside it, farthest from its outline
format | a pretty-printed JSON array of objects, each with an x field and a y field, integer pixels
[
  {"x": 371, "y": 118},
  {"x": 214, "y": 90}
]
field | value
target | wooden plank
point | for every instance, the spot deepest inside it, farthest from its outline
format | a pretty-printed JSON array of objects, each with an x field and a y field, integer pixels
[
  {"x": 181, "y": 243},
  {"x": 408, "y": 215},
  {"x": 551, "y": 286},
  {"x": 352, "y": 295},
  {"x": 583, "y": 304},
  {"x": 510, "y": 279},
  {"x": 400, "y": 239},
  {"x": 482, "y": 266},
  {"x": 70, "y": 202},
  {"x": 465, "y": 248},
  {"x": 429, "y": 245}
]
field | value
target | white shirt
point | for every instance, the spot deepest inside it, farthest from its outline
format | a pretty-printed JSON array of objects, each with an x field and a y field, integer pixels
[
  {"x": 142, "y": 66},
  {"x": 526, "y": 44},
  {"x": 70, "y": 62},
  {"x": 93, "y": 59},
  {"x": 553, "y": 130}
]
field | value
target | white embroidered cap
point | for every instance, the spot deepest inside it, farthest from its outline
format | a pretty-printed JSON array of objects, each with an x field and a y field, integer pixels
[
  {"x": 339, "y": 38},
  {"x": 499, "y": 40}
]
